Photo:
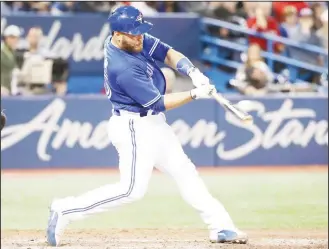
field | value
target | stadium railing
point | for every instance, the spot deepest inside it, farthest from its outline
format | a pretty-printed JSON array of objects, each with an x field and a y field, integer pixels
[{"x": 292, "y": 65}]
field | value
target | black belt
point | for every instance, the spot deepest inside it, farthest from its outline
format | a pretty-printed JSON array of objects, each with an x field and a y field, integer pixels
[{"x": 141, "y": 114}]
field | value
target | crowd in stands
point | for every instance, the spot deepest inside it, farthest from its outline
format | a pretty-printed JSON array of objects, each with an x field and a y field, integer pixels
[
  {"x": 30, "y": 69},
  {"x": 57, "y": 8},
  {"x": 303, "y": 21}
]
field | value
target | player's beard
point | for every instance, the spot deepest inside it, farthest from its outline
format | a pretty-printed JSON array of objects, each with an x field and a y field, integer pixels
[{"x": 125, "y": 45}]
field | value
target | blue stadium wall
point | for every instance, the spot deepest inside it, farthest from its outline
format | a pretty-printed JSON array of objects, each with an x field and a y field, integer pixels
[
  {"x": 50, "y": 132},
  {"x": 79, "y": 38},
  {"x": 71, "y": 132}
]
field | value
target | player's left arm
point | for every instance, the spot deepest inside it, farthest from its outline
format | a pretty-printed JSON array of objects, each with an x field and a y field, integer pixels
[
  {"x": 161, "y": 51},
  {"x": 183, "y": 65}
]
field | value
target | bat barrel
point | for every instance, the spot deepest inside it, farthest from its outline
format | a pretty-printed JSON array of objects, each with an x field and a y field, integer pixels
[{"x": 245, "y": 117}]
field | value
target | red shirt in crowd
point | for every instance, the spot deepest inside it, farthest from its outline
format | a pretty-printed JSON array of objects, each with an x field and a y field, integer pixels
[
  {"x": 278, "y": 8},
  {"x": 272, "y": 27}
]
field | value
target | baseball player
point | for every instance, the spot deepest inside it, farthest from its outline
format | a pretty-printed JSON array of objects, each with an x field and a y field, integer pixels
[{"x": 136, "y": 89}]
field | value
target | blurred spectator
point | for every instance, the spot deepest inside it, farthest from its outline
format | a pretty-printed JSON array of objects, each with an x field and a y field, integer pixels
[
  {"x": 20, "y": 6},
  {"x": 40, "y": 71},
  {"x": 40, "y": 7},
  {"x": 5, "y": 9},
  {"x": 249, "y": 8},
  {"x": 169, "y": 6},
  {"x": 254, "y": 75},
  {"x": 266, "y": 7},
  {"x": 11, "y": 37},
  {"x": 213, "y": 5},
  {"x": 318, "y": 8},
  {"x": 15, "y": 7},
  {"x": 305, "y": 34},
  {"x": 96, "y": 6},
  {"x": 228, "y": 11},
  {"x": 195, "y": 7},
  {"x": 264, "y": 23},
  {"x": 147, "y": 8},
  {"x": 119, "y": 4},
  {"x": 278, "y": 8},
  {"x": 58, "y": 8},
  {"x": 34, "y": 38},
  {"x": 322, "y": 33},
  {"x": 34, "y": 69},
  {"x": 290, "y": 22}
]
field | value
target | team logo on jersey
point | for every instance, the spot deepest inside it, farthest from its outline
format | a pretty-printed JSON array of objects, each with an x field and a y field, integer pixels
[{"x": 149, "y": 70}]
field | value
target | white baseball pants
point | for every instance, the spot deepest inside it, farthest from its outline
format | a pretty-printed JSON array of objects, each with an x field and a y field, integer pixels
[{"x": 143, "y": 143}]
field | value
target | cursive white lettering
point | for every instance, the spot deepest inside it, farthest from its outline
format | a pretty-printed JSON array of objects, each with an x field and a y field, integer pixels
[
  {"x": 283, "y": 127},
  {"x": 77, "y": 49},
  {"x": 70, "y": 134}
]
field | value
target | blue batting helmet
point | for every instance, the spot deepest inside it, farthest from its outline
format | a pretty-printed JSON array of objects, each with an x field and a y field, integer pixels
[{"x": 128, "y": 19}]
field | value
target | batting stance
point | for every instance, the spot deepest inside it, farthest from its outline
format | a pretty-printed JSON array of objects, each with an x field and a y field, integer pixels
[{"x": 136, "y": 88}]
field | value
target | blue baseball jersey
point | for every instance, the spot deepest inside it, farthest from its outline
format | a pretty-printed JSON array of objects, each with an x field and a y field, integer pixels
[{"x": 133, "y": 81}]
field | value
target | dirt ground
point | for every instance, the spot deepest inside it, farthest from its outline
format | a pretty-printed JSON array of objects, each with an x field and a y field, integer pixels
[
  {"x": 165, "y": 239},
  {"x": 157, "y": 238}
]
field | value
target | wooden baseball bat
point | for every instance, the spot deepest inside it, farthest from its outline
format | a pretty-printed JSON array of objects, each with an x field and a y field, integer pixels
[{"x": 242, "y": 115}]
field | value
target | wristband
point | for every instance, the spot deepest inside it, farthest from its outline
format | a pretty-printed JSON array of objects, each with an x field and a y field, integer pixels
[{"x": 185, "y": 66}]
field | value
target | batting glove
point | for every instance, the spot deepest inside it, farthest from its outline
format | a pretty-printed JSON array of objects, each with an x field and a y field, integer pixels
[
  {"x": 202, "y": 92},
  {"x": 198, "y": 78}
]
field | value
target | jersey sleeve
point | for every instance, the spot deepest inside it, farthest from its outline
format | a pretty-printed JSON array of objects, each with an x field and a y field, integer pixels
[
  {"x": 135, "y": 83},
  {"x": 156, "y": 48}
]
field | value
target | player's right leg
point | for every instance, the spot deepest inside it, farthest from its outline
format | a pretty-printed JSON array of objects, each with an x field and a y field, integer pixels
[
  {"x": 136, "y": 165},
  {"x": 193, "y": 190}
]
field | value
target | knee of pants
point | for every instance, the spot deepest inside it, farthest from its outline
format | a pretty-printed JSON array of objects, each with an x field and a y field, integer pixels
[
  {"x": 135, "y": 191},
  {"x": 185, "y": 169}
]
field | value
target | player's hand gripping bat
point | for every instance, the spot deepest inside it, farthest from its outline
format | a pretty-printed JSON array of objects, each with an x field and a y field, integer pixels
[
  {"x": 200, "y": 79},
  {"x": 234, "y": 109}
]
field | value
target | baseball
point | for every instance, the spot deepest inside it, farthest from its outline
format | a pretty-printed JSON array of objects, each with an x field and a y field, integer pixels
[{"x": 245, "y": 104}]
